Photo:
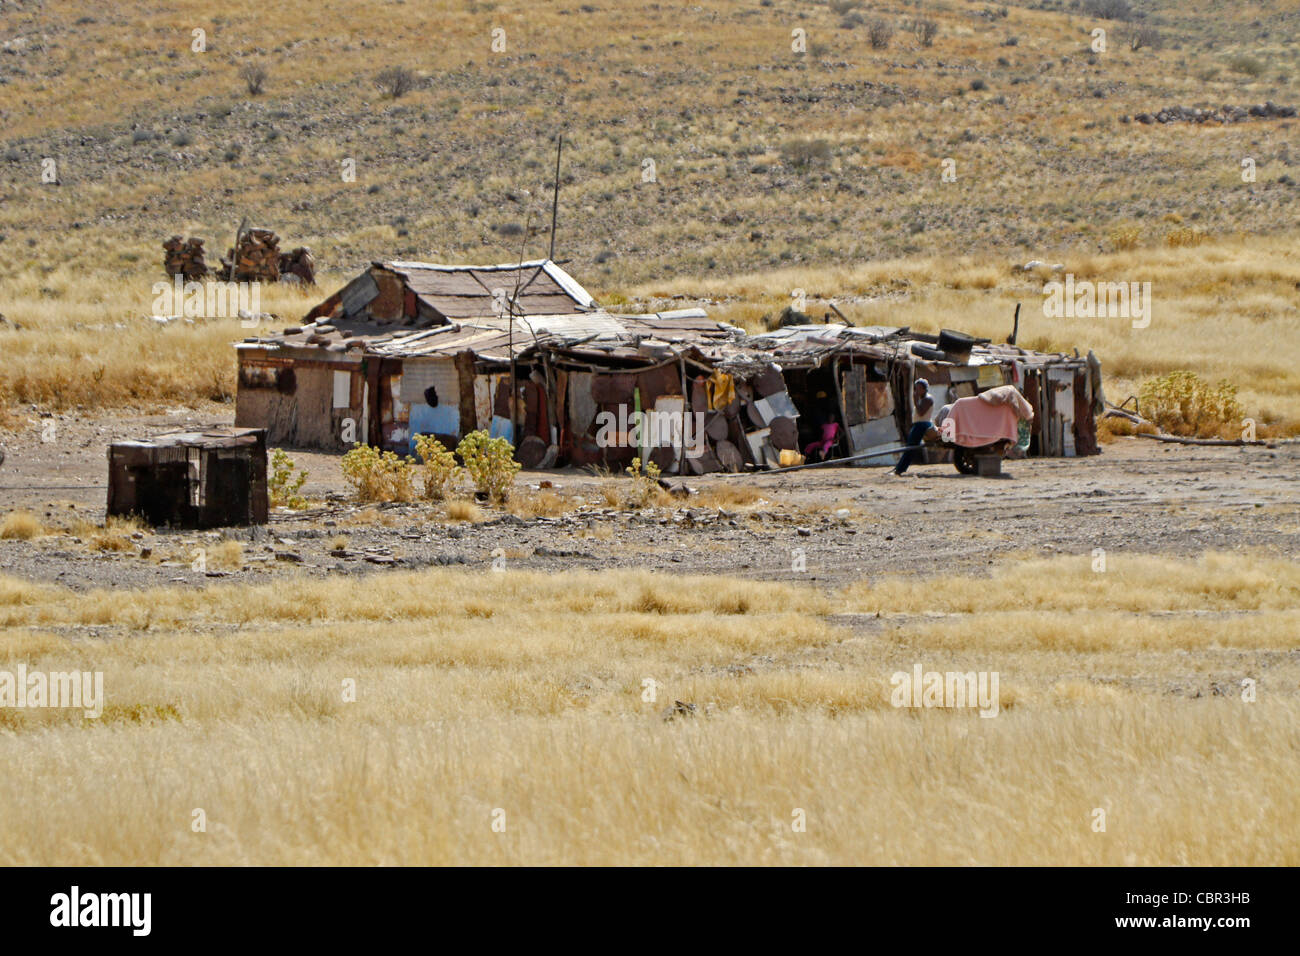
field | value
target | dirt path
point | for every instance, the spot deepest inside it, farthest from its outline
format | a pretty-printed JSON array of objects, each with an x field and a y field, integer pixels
[{"x": 837, "y": 524}]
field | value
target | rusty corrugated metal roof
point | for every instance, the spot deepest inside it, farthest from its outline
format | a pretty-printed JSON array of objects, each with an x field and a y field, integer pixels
[{"x": 539, "y": 287}]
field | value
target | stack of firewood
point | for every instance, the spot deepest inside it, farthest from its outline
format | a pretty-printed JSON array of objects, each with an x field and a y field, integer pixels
[
  {"x": 298, "y": 262},
  {"x": 184, "y": 257},
  {"x": 256, "y": 257}
]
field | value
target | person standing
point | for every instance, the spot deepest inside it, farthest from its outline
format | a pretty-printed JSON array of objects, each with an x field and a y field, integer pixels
[{"x": 922, "y": 405}]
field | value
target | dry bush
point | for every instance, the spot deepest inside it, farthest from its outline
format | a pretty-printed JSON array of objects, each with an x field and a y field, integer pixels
[
  {"x": 21, "y": 526},
  {"x": 115, "y": 534},
  {"x": 228, "y": 554},
  {"x": 645, "y": 490},
  {"x": 540, "y": 504},
  {"x": 1181, "y": 403},
  {"x": 926, "y": 30},
  {"x": 879, "y": 33},
  {"x": 462, "y": 510},
  {"x": 1145, "y": 37},
  {"x": 728, "y": 495},
  {"x": 1185, "y": 237},
  {"x": 806, "y": 153},
  {"x": 395, "y": 81},
  {"x": 1108, "y": 429},
  {"x": 254, "y": 76},
  {"x": 1109, "y": 9},
  {"x": 1247, "y": 65},
  {"x": 1125, "y": 238}
]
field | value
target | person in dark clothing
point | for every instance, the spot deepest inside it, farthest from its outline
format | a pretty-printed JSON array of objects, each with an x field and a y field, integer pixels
[{"x": 923, "y": 403}]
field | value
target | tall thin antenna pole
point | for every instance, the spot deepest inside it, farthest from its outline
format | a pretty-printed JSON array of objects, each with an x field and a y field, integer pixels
[
  {"x": 555, "y": 202},
  {"x": 510, "y": 335}
]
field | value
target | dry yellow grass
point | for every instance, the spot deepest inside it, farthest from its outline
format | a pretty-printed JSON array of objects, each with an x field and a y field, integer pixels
[
  {"x": 385, "y": 720},
  {"x": 538, "y": 504},
  {"x": 115, "y": 534},
  {"x": 731, "y": 495},
  {"x": 21, "y": 526},
  {"x": 462, "y": 509},
  {"x": 226, "y": 554}
]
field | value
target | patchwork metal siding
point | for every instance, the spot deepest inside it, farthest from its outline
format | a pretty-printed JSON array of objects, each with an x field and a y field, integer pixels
[{"x": 419, "y": 374}]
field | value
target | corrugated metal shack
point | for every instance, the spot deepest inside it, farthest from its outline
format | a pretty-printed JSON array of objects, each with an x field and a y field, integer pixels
[
  {"x": 584, "y": 375},
  {"x": 320, "y": 385},
  {"x": 211, "y": 478},
  {"x": 867, "y": 373}
]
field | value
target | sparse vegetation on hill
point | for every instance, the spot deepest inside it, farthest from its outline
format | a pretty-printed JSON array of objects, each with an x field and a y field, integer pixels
[
  {"x": 773, "y": 169},
  {"x": 451, "y": 141}
]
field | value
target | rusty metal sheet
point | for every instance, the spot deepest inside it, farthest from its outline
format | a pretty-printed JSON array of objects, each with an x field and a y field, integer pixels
[
  {"x": 880, "y": 399},
  {"x": 358, "y": 293},
  {"x": 785, "y": 434},
  {"x": 729, "y": 457},
  {"x": 614, "y": 389}
]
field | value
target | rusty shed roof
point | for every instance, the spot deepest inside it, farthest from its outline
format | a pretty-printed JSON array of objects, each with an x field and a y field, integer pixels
[
  {"x": 596, "y": 333},
  {"x": 462, "y": 292}
]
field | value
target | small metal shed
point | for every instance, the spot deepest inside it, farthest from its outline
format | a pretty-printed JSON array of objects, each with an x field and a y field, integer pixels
[{"x": 210, "y": 478}]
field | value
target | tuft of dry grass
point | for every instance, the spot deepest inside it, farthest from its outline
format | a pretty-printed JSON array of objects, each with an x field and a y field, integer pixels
[
  {"x": 227, "y": 554},
  {"x": 115, "y": 534},
  {"x": 21, "y": 526},
  {"x": 727, "y": 495},
  {"x": 462, "y": 509},
  {"x": 539, "y": 504}
]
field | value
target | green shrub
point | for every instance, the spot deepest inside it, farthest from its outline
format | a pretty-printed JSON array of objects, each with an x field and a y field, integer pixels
[
  {"x": 1246, "y": 65},
  {"x": 490, "y": 463},
  {"x": 379, "y": 476},
  {"x": 439, "y": 467},
  {"x": 284, "y": 484},
  {"x": 805, "y": 153}
]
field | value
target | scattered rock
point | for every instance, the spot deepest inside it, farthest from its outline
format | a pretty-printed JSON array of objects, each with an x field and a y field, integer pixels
[
  {"x": 1224, "y": 114},
  {"x": 679, "y": 709}
]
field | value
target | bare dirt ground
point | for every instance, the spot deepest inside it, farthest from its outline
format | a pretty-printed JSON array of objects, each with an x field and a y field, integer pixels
[{"x": 837, "y": 524}]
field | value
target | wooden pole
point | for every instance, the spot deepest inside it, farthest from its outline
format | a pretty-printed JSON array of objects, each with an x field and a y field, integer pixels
[{"x": 555, "y": 200}]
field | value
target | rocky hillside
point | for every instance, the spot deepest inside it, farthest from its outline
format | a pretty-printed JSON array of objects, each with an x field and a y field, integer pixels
[{"x": 711, "y": 139}]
